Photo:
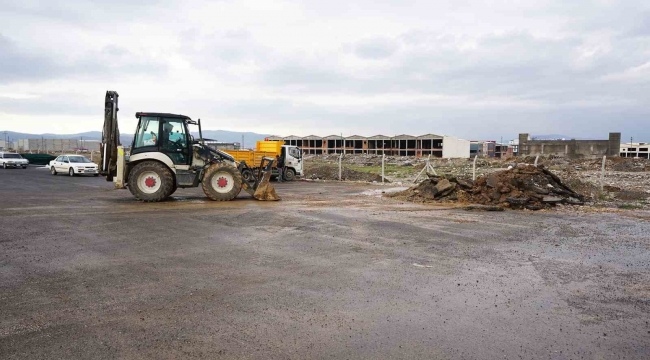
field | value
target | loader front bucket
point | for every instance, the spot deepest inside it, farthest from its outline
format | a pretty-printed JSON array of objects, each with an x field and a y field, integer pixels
[{"x": 260, "y": 186}]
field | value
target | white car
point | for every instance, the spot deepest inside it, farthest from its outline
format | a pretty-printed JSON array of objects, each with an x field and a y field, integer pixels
[
  {"x": 73, "y": 165},
  {"x": 14, "y": 160}
]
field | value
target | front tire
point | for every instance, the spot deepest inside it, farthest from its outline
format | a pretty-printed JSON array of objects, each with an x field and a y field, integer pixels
[
  {"x": 222, "y": 182},
  {"x": 53, "y": 170},
  {"x": 289, "y": 175},
  {"x": 151, "y": 181},
  {"x": 71, "y": 172},
  {"x": 4, "y": 165}
]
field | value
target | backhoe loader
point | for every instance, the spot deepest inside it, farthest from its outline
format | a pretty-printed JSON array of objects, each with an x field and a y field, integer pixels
[{"x": 164, "y": 156}]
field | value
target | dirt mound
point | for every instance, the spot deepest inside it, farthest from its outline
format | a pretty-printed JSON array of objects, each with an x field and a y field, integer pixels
[
  {"x": 524, "y": 186},
  {"x": 324, "y": 171}
]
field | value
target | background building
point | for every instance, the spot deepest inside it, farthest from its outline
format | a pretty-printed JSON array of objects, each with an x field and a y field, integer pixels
[
  {"x": 570, "y": 148},
  {"x": 6, "y": 145},
  {"x": 639, "y": 150},
  {"x": 401, "y": 145},
  {"x": 56, "y": 145}
]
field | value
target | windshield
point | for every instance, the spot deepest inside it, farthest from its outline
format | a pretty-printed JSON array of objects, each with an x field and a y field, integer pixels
[
  {"x": 12, "y": 156},
  {"x": 79, "y": 159}
]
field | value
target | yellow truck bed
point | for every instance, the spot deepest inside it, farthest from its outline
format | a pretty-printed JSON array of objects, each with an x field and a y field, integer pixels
[{"x": 253, "y": 158}]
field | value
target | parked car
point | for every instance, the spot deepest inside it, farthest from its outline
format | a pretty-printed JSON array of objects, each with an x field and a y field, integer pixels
[
  {"x": 14, "y": 160},
  {"x": 73, "y": 165}
]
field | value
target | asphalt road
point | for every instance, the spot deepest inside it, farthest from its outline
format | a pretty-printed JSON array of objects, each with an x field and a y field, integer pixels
[{"x": 332, "y": 271}]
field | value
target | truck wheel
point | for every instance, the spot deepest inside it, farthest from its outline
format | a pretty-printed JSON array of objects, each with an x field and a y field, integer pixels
[
  {"x": 53, "y": 170},
  {"x": 222, "y": 182},
  {"x": 151, "y": 181},
  {"x": 289, "y": 175}
]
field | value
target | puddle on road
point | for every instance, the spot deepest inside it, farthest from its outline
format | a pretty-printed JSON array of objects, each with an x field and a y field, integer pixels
[{"x": 379, "y": 192}]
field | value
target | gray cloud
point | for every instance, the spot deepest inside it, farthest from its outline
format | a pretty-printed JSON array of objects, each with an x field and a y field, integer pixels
[
  {"x": 17, "y": 64},
  {"x": 550, "y": 66},
  {"x": 378, "y": 48}
]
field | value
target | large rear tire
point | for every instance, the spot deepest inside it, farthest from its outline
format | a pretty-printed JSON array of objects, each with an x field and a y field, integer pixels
[
  {"x": 222, "y": 182},
  {"x": 151, "y": 181}
]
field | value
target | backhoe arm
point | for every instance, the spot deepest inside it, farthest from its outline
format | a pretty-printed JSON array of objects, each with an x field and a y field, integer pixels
[{"x": 110, "y": 137}]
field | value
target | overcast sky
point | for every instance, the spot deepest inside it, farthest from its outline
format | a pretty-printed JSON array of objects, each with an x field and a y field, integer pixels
[{"x": 477, "y": 70}]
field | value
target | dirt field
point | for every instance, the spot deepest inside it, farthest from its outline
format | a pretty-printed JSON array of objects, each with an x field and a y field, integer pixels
[
  {"x": 334, "y": 270},
  {"x": 626, "y": 180}
]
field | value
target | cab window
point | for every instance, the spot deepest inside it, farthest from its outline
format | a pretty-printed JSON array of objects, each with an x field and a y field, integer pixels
[
  {"x": 173, "y": 136},
  {"x": 147, "y": 133},
  {"x": 294, "y": 152}
]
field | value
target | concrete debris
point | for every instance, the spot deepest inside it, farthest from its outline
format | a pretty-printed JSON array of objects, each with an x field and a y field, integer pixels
[
  {"x": 483, "y": 207},
  {"x": 522, "y": 187}
]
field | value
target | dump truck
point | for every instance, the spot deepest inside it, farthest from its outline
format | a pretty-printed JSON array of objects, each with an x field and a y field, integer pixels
[
  {"x": 164, "y": 156},
  {"x": 270, "y": 149}
]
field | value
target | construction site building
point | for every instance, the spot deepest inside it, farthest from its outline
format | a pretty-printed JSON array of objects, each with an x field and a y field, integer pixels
[
  {"x": 570, "y": 148},
  {"x": 490, "y": 148},
  {"x": 401, "y": 145}
]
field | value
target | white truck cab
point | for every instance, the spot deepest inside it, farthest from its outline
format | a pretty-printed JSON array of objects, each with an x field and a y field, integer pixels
[
  {"x": 14, "y": 160},
  {"x": 292, "y": 161}
]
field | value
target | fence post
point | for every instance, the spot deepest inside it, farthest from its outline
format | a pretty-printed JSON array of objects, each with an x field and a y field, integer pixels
[
  {"x": 602, "y": 173},
  {"x": 340, "y": 166},
  {"x": 474, "y": 168},
  {"x": 383, "y": 158}
]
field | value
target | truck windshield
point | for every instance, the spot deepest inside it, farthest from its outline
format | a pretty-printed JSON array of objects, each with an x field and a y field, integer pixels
[
  {"x": 78, "y": 159},
  {"x": 12, "y": 156}
]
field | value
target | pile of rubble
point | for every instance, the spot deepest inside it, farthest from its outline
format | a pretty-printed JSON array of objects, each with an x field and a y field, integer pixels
[{"x": 521, "y": 187}]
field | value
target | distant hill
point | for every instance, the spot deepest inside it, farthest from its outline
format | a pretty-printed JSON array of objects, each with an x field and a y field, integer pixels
[
  {"x": 89, "y": 135},
  {"x": 220, "y": 135}
]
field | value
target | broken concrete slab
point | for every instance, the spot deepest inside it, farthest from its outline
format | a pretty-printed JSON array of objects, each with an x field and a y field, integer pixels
[{"x": 552, "y": 199}]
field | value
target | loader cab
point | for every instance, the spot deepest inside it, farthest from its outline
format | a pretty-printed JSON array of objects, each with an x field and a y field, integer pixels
[{"x": 163, "y": 133}]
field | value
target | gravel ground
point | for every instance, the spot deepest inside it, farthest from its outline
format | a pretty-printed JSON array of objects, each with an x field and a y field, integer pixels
[{"x": 332, "y": 271}]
